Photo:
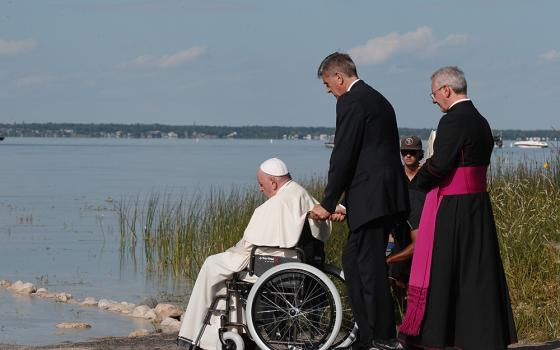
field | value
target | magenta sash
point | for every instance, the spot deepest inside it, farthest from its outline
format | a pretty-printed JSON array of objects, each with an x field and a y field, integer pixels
[{"x": 463, "y": 180}]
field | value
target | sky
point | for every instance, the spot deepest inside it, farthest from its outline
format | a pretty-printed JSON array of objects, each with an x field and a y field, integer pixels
[{"x": 239, "y": 63}]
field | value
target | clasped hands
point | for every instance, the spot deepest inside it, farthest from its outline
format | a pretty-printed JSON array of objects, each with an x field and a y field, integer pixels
[{"x": 320, "y": 213}]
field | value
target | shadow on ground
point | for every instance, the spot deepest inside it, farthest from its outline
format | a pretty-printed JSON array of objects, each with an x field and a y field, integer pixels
[
  {"x": 543, "y": 346},
  {"x": 167, "y": 342}
]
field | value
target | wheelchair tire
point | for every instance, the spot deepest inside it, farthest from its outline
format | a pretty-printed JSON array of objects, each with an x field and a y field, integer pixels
[
  {"x": 294, "y": 306},
  {"x": 348, "y": 329},
  {"x": 233, "y": 341}
]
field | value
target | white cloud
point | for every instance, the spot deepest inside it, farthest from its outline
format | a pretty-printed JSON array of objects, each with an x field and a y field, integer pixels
[
  {"x": 550, "y": 56},
  {"x": 420, "y": 42},
  {"x": 165, "y": 61},
  {"x": 16, "y": 47}
]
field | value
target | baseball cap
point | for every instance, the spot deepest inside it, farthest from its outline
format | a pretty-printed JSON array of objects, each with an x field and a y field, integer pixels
[{"x": 411, "y": 142}]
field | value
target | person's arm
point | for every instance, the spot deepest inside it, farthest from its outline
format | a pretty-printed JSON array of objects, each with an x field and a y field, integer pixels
[
  {"x": 350, "y": 127},
  {"x": 447, "y": 153},
  {"x": 405, "y": 253}
]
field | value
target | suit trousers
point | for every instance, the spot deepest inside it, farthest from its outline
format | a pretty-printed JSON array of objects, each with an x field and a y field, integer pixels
[{"x": 365, "y": 272}]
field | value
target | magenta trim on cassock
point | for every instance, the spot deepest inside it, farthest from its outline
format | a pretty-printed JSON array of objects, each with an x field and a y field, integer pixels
[{"x": 462, "y": 180}]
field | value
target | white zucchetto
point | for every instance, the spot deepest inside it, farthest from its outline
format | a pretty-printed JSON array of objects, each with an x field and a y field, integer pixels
[{"x": 274, "y": 167}]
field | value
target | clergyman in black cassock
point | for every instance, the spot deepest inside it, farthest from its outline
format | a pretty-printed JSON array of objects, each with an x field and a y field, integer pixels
[{"x": 468, "y": 305}]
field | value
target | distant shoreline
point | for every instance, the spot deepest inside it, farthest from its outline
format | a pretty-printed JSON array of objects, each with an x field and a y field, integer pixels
[{"x": 194, "y": 131}]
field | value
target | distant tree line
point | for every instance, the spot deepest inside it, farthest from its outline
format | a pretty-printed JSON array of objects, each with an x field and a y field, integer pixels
[{"x": 201, "y": 131}]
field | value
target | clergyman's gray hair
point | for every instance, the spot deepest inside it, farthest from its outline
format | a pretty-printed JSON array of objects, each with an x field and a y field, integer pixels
[
  {"x": 452, "y": 77},
  {"x": 337, "y": 63}
]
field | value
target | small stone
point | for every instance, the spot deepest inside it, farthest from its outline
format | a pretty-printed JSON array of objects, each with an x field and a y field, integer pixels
[
  {"x": 139, "y": 333},
  {"x": 5, "y": 283},
  {"x": 89, "y": 301},
  {"x": 168, "y": 310},
  {"x": 41, "y": 292},
  {"x": 23, "y": 288},
  {"x": 73, "y": 325},
  {"x": 14, "y": 286},
  {"x": 105, "y": 304},
  {"x": 122, "y": 307},
  {"x": 62, "y": 297},
  {"x": 169, "y": 325},
  {"x": 150, "y": 315},
  {"x": 140, "y": 311}
]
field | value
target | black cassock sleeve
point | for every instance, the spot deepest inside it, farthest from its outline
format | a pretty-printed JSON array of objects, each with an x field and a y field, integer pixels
[{"x": 447, "y": 153}]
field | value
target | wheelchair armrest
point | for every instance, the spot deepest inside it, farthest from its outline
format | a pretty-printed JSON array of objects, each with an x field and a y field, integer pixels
[{"x": 299, "y": 251}]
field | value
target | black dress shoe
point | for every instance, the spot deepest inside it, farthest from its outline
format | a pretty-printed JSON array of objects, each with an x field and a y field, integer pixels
[{"x": 392, "y": 344}]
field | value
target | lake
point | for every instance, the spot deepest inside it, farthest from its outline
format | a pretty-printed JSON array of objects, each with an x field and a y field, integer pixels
[{"x": 58, "y": 229}]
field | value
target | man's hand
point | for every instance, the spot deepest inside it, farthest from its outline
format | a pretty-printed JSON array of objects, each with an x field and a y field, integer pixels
[
  {"x": 339, "y": 214},
  {"x": 319, "y": 213}
]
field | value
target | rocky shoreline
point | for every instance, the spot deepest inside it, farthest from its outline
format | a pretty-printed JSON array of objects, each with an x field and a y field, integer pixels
[
  {"x": 166, "y": 318},
  {"x": 160, "y": 341}
]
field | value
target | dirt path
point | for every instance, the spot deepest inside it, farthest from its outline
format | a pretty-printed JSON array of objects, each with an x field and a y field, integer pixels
[
  {"x": 152, "y": 342},
  {"x": 167, "y": 342}
]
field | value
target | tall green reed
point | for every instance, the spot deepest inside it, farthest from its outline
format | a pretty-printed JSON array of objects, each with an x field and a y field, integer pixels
[
  {"x": 178, "y": 233},
  {"x": 526, "y": 207}
]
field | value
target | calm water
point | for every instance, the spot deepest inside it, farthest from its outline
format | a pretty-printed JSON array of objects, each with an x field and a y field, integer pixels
[{"x": 58, "y": 230}]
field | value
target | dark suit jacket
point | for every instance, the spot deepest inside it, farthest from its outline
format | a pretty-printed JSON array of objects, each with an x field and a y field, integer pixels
[{"x": 365, "y": 161}]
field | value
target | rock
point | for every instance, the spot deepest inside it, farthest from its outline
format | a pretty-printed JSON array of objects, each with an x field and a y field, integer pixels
[
  {"x": 140, "y": 311},
  {"x": 122, "y": 307},
  {"x": 89, "y": 301},
  {"x": 41, "y": 292},
  {"x": 14, "y": 286},
  {"x": 167, "y": 310},
  {"x": 139, "y": 333},
  {"x": 62, "y": 297},
  {"x": 5, "y": 283},
  {"x": 169, "y": 325},
  {"x": 22, "y": 288},
  {"x": 105, "y": 304},
  {"x": 73, "y": 325},
  {"x": 149, "y": 301},
  {"x": 150, "y": 315}
]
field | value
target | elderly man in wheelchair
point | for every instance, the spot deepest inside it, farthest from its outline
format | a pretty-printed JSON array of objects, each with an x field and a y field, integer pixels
[{"x": 272, "y": 289}]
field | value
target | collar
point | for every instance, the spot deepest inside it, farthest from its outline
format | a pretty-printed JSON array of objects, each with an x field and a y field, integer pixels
[
  {"x": 284, "y": 186},
  {"x": 458, "y": 101},
  {"x": 354, "y": 82}
]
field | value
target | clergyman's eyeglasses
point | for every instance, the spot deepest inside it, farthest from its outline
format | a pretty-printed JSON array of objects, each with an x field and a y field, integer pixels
[{"x": 433, "y": 94}]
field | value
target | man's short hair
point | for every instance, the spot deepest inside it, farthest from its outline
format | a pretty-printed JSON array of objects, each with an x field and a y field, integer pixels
[
  {"x": 451, "y": 76},
  {"x": 337, "y": 62}
]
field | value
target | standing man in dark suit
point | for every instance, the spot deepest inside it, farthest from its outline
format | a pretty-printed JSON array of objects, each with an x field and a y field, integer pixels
[{"x": 366, "y": 167}]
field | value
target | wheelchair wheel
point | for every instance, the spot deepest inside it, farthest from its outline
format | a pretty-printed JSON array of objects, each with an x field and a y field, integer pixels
[
  {"x": 232, "y": 341},
  {"x": 294, "y": 306},
  {"x": 348, "y": 329}
]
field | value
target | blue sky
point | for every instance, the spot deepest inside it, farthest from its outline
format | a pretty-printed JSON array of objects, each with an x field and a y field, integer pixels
[{"x": 254, "y": 62}]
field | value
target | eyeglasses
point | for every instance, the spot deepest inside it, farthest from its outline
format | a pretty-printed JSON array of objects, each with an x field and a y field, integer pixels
[
  {"x": 433, "y": 94},
  {"x": 406, "y": 152}
]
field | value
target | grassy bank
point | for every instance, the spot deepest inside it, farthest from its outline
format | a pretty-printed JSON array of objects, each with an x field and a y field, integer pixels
[{"x": 176, "y": 234}]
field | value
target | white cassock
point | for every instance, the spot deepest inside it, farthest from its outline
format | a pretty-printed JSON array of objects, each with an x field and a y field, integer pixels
[{"x": 277, "y": 222}]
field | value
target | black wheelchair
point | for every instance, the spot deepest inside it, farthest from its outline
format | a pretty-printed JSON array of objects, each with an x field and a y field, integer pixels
[{"x": 296, "y": 303}]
